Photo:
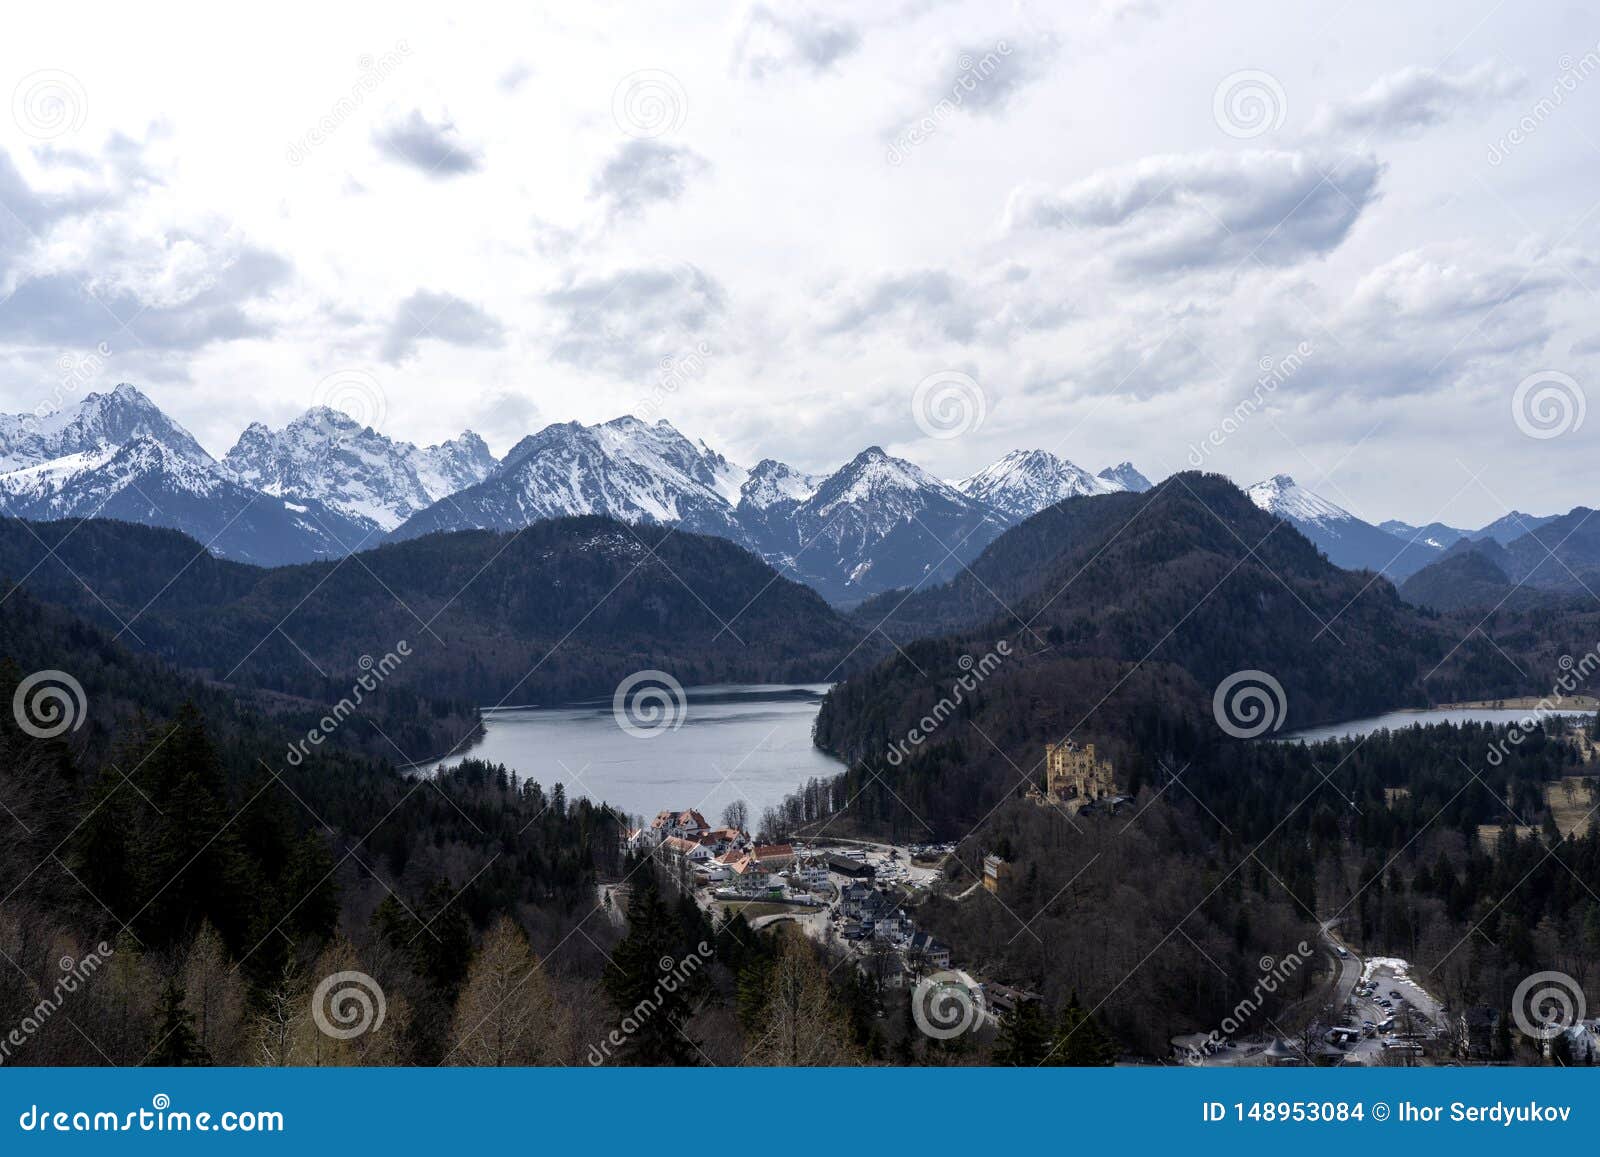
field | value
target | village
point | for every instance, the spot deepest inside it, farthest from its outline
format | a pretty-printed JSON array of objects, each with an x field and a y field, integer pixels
[
  {"x": 857, "y": 895},
  {"x": 851, "y": 894}
]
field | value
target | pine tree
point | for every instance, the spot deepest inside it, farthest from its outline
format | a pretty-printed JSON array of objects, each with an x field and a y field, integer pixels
[
  {"x": 1025, "y": 1037},
  {"x": 655, "y": 1018},
  {"x": 1080, "y": 1041},
  {"x": 175, "y": 1044}
]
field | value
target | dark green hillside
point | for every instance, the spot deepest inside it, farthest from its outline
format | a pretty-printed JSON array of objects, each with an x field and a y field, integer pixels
[{"x": 563, "y": 609}]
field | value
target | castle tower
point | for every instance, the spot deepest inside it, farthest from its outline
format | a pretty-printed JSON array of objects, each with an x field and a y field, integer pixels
[{"x": 1073, "y": 773}]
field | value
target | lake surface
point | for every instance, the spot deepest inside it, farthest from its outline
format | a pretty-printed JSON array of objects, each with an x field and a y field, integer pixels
[
  {"x": 736, "y": 741},
  {"x": 1395, "y": 720}
]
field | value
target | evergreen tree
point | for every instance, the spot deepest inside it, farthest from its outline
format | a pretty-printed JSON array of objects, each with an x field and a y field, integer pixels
[
  {"x": 1025, "y": 1039},
  {"x": 176, "y": 1044},
  {"x": 655, "y": 1018},
  {"x": 1080, "y": 1041}
]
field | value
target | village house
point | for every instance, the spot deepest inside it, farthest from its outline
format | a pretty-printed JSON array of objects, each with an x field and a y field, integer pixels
[
  {"x": 721, "y": 839},
  {"x": 996, "y": 873},
  {"x": 854, "y": 898},
  {"x": 685, "y": 851},
  {"x": 928, "y": 951},
  {"x": 773, "y": 857},
  {"x": 1580, "y": 1043},
  {"x": 639, "y": 839},
  {"x": 851, "y": 869},
  {"x": 686, "y": 825}
]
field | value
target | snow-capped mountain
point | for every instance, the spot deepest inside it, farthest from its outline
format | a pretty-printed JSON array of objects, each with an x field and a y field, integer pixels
[
  {"x": 463, "y": 461},
  {"x": 876, "y": 523},
  {"x": 95, "y": 425},
  {"x": 1124, "y": 474},
  {"x": 772, "y": 482},
  {"x": 624, "y": 468},
  {"x": 325, "y": 485},
  {"x": 118, "y": 456},
  {"x": 1435, "y": 534},
  {"x": 326, "y": 456},
  {"x": 1504, "y": 530},
  {"x": 1345, "y": 539},
  {"x": 1025, "y": 482}
]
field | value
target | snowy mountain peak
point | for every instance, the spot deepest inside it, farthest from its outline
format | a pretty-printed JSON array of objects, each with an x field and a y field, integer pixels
[
  {"x": 624, "y": 468},
  {"x": 771, "y": 482},
  {"x": 97, "y": 423},
  {"x": 1127, "y": 476},
  {"x": 1283, "y": 496},
  {"x": 326, "y": 456},
  {"x": 1025, "y": 482},
  {"x": 873, "y": 476}
]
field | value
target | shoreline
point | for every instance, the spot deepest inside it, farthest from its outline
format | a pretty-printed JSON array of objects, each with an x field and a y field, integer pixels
[{"x": 1562, "y": 703}]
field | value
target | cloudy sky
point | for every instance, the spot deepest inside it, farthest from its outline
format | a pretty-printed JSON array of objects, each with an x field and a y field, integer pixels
[{"x": 951, "y": 229}]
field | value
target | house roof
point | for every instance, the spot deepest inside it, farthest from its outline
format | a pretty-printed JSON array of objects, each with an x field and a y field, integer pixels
[{"x": 773, "y": 852}]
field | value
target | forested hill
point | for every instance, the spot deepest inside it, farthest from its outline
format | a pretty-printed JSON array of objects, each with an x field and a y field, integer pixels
[
  {"x": 165, "y": 819},
  {"x": 560, "y": 610},
  {"x": 1123, "y": 614}
]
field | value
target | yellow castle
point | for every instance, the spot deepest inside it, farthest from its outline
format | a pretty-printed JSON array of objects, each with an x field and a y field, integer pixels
[{"x": 1073, "y": 773}]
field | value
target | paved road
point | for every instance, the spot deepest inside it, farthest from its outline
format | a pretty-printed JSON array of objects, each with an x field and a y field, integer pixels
[{"x": 1348, "y": 967}]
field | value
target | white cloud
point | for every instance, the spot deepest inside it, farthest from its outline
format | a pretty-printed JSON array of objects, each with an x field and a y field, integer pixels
[
  {"x": 1206, "y": 210},
  {"x": 642, "y": 173},
  {"x": 444, "y": 317},
  {"x": 769, "y": 43},
  {"x": 433, "y": 147},
  {"x": 1406, "y": 102}
]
